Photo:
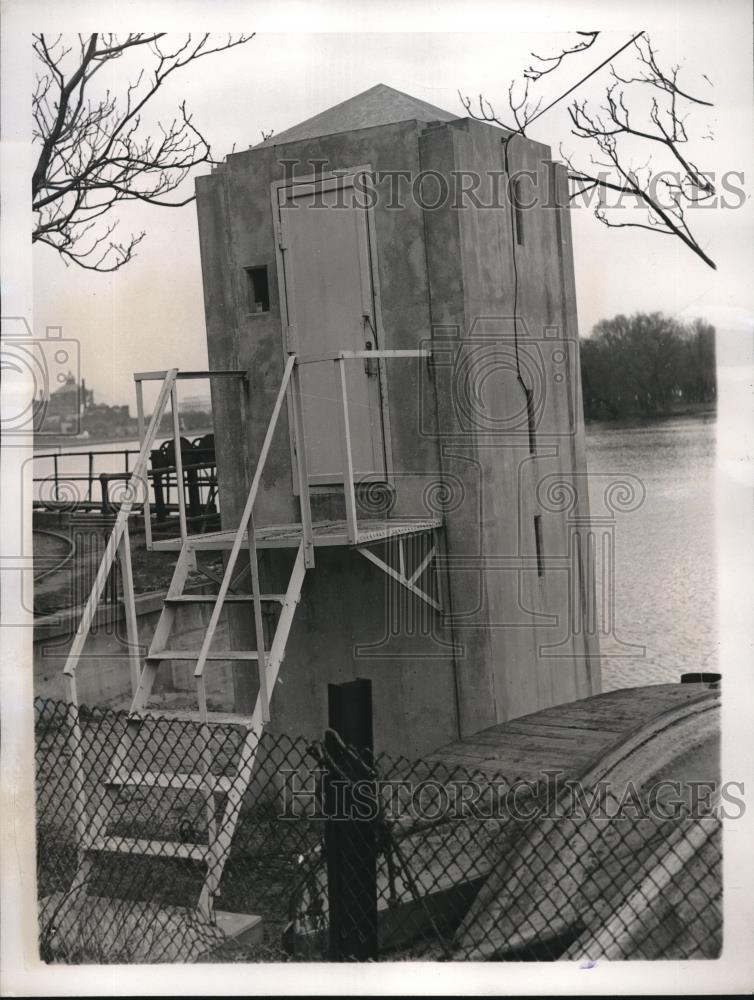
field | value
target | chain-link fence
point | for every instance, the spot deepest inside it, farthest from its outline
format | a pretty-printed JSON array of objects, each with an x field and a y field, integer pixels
[{"x": 151, "y": 833}]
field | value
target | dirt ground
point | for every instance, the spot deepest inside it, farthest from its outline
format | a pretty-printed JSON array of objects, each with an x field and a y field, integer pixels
[{"x": 67, "y": 554}]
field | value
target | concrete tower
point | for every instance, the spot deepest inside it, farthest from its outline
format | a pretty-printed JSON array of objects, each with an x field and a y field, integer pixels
[{"x": 386, "y": 224}]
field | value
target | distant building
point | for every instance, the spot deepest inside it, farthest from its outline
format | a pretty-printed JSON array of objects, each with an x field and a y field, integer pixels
[
  {"x": 66, "y": 405},
  {"x": 101, "y": 420},
  {"x": 196, "y": 404}
]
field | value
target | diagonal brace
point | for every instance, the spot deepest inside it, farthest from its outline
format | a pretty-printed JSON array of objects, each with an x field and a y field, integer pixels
[{"x": 400, "y": 577}]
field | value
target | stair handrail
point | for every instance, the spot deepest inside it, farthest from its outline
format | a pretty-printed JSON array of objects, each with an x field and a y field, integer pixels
[
  {"x": 244, "y": 526},
  {"x": 138, "y": 474}
]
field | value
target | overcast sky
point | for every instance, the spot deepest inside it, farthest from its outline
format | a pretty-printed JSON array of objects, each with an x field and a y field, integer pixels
[{"x": 150, "y": 314}]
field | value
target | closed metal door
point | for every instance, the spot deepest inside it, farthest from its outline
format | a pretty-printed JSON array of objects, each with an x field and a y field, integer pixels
[{"x": 327, "y": 275}]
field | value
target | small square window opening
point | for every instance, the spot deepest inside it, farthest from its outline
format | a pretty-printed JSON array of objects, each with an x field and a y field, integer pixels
[{"x": 258, "y": 289}]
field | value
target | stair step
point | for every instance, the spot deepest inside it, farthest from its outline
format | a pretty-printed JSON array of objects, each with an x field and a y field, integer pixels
[
  {"x": 191, "y": 715},
  {"x": 229, "y": 598},
  {"x": 155, "y": 848},
  {"x": 193, "y": 654},
  {"x": 177, "y": 779}
]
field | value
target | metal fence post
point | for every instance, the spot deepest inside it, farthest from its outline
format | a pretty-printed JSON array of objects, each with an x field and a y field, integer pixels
[{"x": 351, "y": 823}]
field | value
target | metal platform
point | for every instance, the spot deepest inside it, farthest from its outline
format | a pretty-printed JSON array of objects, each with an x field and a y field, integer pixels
[{"x": 324, "y": 533}]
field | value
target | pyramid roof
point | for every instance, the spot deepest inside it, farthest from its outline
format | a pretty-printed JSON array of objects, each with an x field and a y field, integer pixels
[{"x": 380, "y": 105}]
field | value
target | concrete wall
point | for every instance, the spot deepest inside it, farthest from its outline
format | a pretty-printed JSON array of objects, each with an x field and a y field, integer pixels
[
  {"x": 446, "y": 274},
  {"x": 475, "y": 291}
]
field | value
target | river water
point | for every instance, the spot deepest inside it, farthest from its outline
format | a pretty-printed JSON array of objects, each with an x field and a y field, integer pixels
[
  {"x": 665, "y": 588},
  {"x": 664, "y": 591}
]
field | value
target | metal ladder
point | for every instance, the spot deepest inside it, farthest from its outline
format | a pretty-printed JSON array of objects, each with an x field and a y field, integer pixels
[
  {"x": 220, "y": 831},
  {"x": 220, "y": 828}
]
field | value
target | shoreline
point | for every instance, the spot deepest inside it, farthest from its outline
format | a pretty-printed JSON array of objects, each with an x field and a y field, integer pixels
[
  {"x": 629, "y": 420},
  {"x": 63, "y": 443}
]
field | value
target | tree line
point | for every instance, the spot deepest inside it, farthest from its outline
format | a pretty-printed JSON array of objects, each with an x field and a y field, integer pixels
[{"x": 647, "y": 364}]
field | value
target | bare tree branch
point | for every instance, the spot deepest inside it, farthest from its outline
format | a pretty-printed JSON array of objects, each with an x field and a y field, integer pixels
[
  {"x": 663, "y": 124},
  {"x": 534, "y": 73},
  {"x": 656, "y": 77},
  {"x": 618, "y": 126},
  {"x": 95, "y": 149}
]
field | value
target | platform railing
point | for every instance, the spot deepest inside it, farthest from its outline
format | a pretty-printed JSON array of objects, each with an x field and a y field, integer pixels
[
  {"x": 160, "y": 376},
  {"x": 119, "y": 541},
  {"x": 90, "y": 477},
  {"x": 339, "y": 359},
  {"x": 163, "y": 479}
]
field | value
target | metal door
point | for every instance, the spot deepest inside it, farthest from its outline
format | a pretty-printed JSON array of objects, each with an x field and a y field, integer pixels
[{"x": 326, "y": 264}]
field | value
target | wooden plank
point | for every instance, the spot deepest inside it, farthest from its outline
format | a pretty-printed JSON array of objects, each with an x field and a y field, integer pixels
[
  {"x": 157, "y": 376},
  {"x": 192, "y": 715},
  {"x": 302, "y": 467},
  {"x": 547, "y": 728},
  {"x": 621, "y": 714},
  {"x": 419, "y": 571},
  {"x": 229, "y": 598},
  {"x": 213, "y": 654},
  {"x": 179, "y": 483},
  {"x": 185, "y": 781},
  {"x": 563, "y": 737},
  {"x": 263, "y": 694},
  {"x": 167, "y": 545},
  {"x": 579, "y": 726},
  {"x": 347, "y": 457},
  {"x": 331, "y": 533},
  {"x": 129, "y": 609},
  {"x": 393, "y": 529},
  {"x": 147, "y": 502},
  {"x": 540, "y": 742},
  {"x": 155, "y": 848},
  {"x": 507, "y": 757}
]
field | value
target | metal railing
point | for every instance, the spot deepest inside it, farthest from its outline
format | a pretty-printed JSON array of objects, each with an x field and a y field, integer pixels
[
  {"x": 339, "y": 359},
  {"x": 199, "y": 480},
  {"x": 118, "y": 543},
  {"x": 90, "y": 477},
  {"x": 149, "y": 435}
]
